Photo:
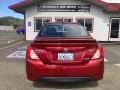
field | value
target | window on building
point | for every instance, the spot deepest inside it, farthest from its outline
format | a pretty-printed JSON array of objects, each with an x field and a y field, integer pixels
[
  {"x": 80, "y": 21},
  {"x": 66, "y": 20},
  {"x": 115, "y": 26},
  {"x": 59, "y": 20},
  {"x": 39, "y": 22},
  {"x": 87, "y": 23}
]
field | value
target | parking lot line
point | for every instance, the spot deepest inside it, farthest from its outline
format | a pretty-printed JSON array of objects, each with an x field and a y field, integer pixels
[
  {"x": 20, "y": 48},
  {"x": 105, "y": 60},
  {"x": 11, "y": 41},
  {"x": 11, "y": 45},
  {"x": 117, "y": 64},
  {"x": 17, "y": 54}
]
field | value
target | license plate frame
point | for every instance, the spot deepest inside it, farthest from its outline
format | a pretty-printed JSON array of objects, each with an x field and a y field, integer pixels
[{"x": 65, "y": 56}]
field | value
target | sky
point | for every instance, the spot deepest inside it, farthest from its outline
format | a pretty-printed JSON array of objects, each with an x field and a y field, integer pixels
[{"x": 5, "y": 11}]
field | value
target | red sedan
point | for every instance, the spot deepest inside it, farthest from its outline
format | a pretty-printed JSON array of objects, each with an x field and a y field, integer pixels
[{"x": 64, "y": 51}]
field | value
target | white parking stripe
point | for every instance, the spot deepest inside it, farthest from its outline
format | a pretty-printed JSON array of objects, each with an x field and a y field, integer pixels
[
  {"x": 105, "y": 60},
  {"x": 24, "y": 47},
  {"x": 11, "y": 41},
  {"x": 11, "y": 45},
  {"x": 117, "y": 64},
  {"x": 17, "y": 54}
]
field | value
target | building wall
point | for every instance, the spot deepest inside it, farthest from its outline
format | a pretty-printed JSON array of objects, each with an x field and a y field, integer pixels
[{"x": 101, "y": 19}]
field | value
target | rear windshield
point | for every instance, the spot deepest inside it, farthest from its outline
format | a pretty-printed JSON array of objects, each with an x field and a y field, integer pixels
[{"x": 65, "y": 30}]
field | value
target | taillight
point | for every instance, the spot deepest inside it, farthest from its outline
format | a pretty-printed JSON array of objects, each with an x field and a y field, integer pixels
[
  {"x": 30, "y": 53},
  {"x": 33, "y": 55},
  {"x": 98, "y": 54}
]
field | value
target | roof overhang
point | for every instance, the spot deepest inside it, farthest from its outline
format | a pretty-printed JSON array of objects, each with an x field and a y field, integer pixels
[
  {"x": 108, "y": 7},
  {"x": 20, "y": 7}
]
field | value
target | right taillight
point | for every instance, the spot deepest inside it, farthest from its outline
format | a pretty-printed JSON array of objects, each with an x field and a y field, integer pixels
[{"x": 98, "y": 54}]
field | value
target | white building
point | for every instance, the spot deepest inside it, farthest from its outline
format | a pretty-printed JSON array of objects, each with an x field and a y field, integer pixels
[{"x": 101, "y": 19}]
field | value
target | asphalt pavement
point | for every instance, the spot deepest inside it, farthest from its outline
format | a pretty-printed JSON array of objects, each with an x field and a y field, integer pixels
[{"x": 13, "y": 75}]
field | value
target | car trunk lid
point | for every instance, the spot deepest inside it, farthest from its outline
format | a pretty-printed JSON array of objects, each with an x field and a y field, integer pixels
[{"x": 65, "y": 51}]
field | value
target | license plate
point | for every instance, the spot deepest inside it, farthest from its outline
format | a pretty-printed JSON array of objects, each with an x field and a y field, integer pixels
[{"x": 65, "y": 56}]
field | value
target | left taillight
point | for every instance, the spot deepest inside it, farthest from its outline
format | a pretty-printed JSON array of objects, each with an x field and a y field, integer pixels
[{"x": 30, "y": 54}]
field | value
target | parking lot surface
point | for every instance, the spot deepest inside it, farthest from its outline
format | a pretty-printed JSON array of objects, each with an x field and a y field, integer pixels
[
  {"x": 13, "y": 75},
  {"x": 7, "y": 38}
]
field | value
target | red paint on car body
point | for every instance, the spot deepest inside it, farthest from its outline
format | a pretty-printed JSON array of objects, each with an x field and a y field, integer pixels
[{"x": 42, "y": 58}]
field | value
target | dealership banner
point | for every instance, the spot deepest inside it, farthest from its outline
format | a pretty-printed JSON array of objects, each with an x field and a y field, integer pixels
[{"x": 63, "y": 8}]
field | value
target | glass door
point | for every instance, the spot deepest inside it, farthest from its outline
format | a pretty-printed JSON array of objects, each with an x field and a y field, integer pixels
[{"x": 115, "y": 29}]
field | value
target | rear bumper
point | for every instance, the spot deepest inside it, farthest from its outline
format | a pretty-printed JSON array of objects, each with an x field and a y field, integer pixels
[{"x": 94, "y": 70}]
